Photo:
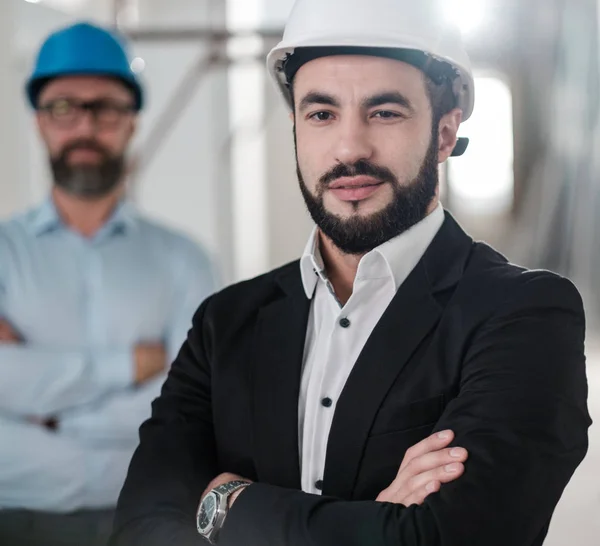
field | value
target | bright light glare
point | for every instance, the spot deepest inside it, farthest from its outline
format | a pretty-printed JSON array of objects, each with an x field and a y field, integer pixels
[
  {"x": 483, "y": 179},
  {"x": 33, "y": 1},
  {"x": 467, "y": 15},
  {"x": 137, "y": 65}
]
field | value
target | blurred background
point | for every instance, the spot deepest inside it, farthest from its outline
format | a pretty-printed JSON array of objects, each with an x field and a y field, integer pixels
[{"x": 214, "y": 154}]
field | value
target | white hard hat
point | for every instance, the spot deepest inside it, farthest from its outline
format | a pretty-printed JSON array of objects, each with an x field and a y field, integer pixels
[{"x": 411, "y": 25}]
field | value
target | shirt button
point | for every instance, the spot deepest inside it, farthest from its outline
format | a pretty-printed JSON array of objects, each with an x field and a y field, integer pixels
[
  {"x": 345, "y": 323},
  {"x": 319, "y": 485},
  {"x": 327, "y": 402}
]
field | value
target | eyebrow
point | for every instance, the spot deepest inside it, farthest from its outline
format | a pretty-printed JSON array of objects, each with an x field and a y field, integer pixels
[
  {"x": 315, "y": 97},
  {"x": 388, "y": 97}
]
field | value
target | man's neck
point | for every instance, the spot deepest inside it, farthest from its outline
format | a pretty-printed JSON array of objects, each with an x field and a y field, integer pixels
[
  {"x": 341, "y": 268},
  {"x": 85, "y": 216}
]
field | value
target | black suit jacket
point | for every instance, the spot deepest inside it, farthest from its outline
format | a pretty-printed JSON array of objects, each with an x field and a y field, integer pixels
[{"x": 469, "y": 343}]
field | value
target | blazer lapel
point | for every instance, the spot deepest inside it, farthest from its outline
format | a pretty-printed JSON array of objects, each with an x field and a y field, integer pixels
[
  {"x": 411, "y": 315},
  {"x": 279, "y": 349}
]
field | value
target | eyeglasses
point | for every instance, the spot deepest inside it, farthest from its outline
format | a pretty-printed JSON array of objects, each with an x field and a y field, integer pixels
[{"x": 107, "y": 113}]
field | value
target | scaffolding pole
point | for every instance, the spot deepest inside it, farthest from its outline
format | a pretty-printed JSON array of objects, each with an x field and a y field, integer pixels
[{"x": 199, "y": 34}]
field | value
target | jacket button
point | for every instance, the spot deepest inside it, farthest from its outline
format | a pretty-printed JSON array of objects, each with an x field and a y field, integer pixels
[{"x": 319, "y": 485}]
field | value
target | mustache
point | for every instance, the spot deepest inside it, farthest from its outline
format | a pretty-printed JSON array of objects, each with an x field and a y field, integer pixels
[
  {"x": 359, "y": 168},
  {"x": 84, "y": 144}
]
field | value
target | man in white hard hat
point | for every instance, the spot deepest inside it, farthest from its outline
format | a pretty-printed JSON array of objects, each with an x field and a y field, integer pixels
[
  {"x": 95, "y": 301},
  {"x": 334, "y": 401}
]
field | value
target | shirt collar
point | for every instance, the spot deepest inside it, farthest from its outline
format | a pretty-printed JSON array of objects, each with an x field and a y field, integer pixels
[
  {"x": 46, "y": 219},
  {"x": 395, "y": 259},
  {"x": 123, "y": 218},
  {"x": 399, "y": 256},
  {"x": 311, "y": 264}
]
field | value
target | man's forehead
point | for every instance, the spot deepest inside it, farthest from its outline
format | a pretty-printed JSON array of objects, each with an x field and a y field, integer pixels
[
  {"x": 365, "y": 72},
  {"x": 86, "y": 87}
]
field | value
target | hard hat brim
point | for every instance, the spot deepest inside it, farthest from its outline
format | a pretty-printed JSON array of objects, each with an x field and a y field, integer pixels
[
  {"x": 36, "y": 84},
  {"x": 277, "y": 57}
]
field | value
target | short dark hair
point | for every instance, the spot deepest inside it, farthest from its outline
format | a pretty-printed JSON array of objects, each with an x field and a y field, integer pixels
[{"x": 441, "y": 96}]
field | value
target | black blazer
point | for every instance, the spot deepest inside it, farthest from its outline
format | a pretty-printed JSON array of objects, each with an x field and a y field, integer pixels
[{"x": 469, "y": 343}]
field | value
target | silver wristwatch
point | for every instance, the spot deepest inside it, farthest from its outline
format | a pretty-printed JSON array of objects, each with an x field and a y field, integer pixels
[{"x": 213, "y": 509}]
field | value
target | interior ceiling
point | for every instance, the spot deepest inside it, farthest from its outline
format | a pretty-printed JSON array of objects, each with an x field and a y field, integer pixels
[
  {"x": 499, "y": 12},
  {"x": 491, "y": 44}
]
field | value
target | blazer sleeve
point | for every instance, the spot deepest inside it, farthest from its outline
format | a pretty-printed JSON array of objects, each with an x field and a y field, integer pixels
[
  {"x": 522, "y": 414},
  {"x": 176, "y": 458}
]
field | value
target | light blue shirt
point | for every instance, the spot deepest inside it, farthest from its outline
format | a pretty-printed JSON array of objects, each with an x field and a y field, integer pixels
[{"x": 81, "y": 306}]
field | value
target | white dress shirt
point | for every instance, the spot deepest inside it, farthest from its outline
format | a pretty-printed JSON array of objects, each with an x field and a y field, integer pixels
[{"x": 336, "y": 334}]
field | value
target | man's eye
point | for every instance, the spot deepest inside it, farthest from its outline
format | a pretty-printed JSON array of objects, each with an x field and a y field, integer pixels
[
  {"x": 62, "y": 108},
  {"x": 386, "y": 114},
  {"x": 321, "y": 116}
]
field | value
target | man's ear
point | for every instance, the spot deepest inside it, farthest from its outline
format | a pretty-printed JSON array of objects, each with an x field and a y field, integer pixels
[{"x": 448, "y": 133}]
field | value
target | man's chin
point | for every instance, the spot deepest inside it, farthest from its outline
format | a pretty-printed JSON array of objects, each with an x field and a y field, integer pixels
[{"x": 362, "y": 210}]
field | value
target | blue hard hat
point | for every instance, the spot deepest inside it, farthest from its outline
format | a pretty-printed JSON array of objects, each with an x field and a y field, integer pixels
[{"x": 83, "y": 49}]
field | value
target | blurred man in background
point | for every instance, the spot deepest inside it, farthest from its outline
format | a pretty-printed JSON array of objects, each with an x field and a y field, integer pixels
[{"x": 94, "y": 303}]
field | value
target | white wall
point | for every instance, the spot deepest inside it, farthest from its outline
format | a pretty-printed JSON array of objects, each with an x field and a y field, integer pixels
[
  {"x": 10, "y": 193},
  {"x": 24, "y": 178},
  {"x": 187, "y": 183},
  {"x": 289, "y": 223}
]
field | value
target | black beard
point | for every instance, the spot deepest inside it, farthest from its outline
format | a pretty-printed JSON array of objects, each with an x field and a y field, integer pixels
[
  {"x": 360, "y": 234},
  {"x": 88, "y": 181}
]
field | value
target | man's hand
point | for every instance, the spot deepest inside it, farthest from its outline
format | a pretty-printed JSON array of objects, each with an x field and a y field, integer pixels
[
  {"x": 223, "y": 479},
  {"x": 7, "y": 333},
  {"x": 150, "y": 360},
  {"x": 426, "y": 466}
]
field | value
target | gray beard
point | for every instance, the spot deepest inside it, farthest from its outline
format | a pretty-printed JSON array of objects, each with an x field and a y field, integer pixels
[{"x": 89, "y": 182}]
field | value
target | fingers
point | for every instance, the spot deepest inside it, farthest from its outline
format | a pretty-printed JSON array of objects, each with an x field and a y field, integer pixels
[
  {"x": 5, "y": 330},
  {"x": 419, "y": 496},
  {"x": 443, "y": 466},
  {"x": 435, "y": 459},
  {"x": 444, "y": 474},
  {"x": 7, "y": 334},
  {"x": 435, "y": 442},
  {"x": 438, "y": 465},
  {"x": 416, "y": 490}
]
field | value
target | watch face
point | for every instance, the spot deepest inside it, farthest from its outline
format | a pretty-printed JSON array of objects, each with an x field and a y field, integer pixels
[{"x": 207, "y": 514}]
